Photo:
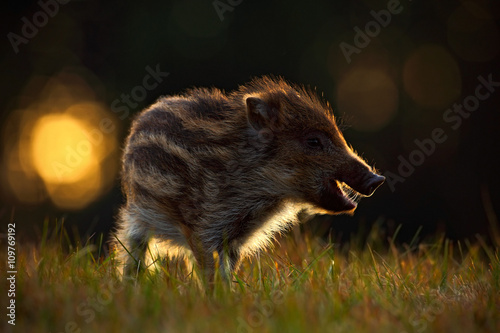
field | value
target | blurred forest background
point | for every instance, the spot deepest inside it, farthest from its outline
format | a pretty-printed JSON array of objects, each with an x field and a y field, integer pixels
[{"x": 73, "y": 74}]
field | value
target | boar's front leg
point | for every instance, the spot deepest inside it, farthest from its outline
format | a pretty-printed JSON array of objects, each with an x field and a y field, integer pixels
[
  {"x": 203, "y": 257},
  {"x": 229, "y": 261}
]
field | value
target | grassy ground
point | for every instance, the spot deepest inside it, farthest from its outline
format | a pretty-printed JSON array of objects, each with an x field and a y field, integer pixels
[{"x": 303, "y": 285}]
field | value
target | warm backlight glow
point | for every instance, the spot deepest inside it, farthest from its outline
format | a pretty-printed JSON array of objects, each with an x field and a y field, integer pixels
[
  {"x": 60, "y": 150},
  {"x": 67, "y": 160},
  {"x": 62, "y": 147}
]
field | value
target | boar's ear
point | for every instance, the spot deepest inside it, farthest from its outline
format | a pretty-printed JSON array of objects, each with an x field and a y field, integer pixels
[{"x": 260, "y": 114}]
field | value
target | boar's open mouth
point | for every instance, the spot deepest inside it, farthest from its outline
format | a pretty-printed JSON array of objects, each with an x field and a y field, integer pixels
[{"x": 338, "y": 197}]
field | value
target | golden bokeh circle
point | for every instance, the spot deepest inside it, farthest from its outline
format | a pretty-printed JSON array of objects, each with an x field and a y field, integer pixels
[
  {"x": 368, "y": 97},
  {"x": 431, "y": 77},
  {"x": 472, "y": 33},
  {"x": 60, "y": 150},
  {"x": 61, "y": 146}
]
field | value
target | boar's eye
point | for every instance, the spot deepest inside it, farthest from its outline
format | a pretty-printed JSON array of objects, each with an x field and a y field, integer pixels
[{"x": 314, "y": 143}]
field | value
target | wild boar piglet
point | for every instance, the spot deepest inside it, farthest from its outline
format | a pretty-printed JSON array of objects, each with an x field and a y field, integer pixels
[{"x": 208, "y": 171}]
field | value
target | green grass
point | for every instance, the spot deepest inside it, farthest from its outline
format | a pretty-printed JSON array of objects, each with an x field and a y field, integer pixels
[{"x": 302, "y": 285}]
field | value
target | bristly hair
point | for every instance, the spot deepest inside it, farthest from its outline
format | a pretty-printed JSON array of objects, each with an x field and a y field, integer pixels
[{"x": 277, "y": 84}]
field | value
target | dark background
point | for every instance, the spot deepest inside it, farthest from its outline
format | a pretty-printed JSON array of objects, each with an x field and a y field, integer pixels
[{"x": 109, "y": 43}]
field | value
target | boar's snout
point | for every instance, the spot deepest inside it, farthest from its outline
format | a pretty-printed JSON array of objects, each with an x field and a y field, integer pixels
[
  {"x": 371, "y": 184},
  {"x": 360, "y": 177}
]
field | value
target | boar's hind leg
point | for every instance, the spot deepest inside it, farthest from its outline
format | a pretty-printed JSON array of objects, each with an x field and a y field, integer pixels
[
  {"x": 131, "y": 251},
  {"x": 135, "y": 255},
  {"x": 131, "y": 244}
]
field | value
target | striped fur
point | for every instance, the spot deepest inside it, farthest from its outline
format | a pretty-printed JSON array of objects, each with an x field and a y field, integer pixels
[{"x": 207, "y": 172}]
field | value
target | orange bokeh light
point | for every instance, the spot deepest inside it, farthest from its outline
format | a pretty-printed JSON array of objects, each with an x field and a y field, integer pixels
[
  {"x": 432, "y": 77},
  {"x": 60, "y": 150},
  {"x": 368, "y": 97},
  {"x": 62, "y": 146}
]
